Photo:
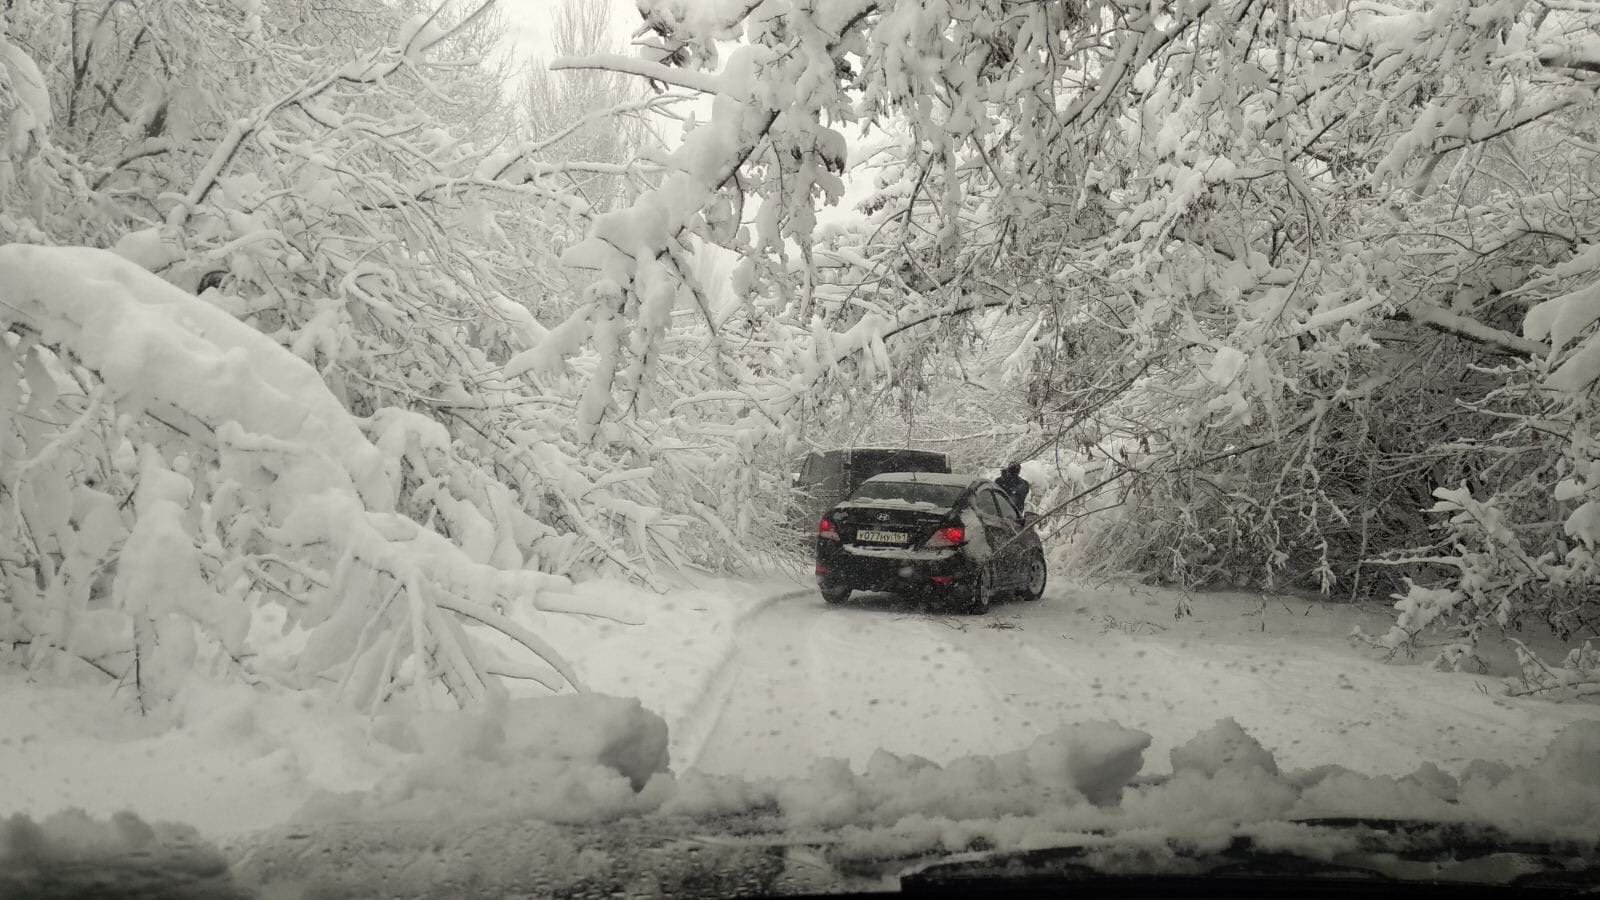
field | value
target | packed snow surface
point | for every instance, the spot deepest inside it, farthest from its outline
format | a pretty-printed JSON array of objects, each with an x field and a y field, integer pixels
[
  {"x": 229, "y": 758},
  {"x": 895, "y": 729},
  {"x": 812, "y": 681}
]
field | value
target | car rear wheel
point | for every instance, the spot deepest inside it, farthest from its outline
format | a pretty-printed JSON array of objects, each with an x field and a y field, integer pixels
[
  {"x": 1038, "y": 574},
  {"x": 835, "y": 595}
]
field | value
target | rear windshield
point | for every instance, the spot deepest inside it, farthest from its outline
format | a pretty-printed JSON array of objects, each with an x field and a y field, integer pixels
[{"x": 911, "y": 492}]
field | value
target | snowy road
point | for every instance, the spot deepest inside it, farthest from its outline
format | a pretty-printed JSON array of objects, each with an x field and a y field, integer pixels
[{"x": 812, "y": 681}]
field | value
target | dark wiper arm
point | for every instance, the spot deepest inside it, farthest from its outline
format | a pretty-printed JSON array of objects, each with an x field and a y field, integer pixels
[{"x": 1417, "y": 859}]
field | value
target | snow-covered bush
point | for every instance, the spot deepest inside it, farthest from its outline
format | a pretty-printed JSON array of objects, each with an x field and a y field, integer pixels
[{"x": 1520, "y": 547}]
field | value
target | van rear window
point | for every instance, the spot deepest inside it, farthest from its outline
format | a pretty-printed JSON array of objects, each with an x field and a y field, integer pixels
[{"x": 867, "y": 464}]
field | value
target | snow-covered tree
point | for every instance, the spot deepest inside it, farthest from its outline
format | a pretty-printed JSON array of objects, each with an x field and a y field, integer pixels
[
  {"x": 564, "y": 105},
  {"x": 1278, "y": 263},
  {"x": 364, "y": 420}
]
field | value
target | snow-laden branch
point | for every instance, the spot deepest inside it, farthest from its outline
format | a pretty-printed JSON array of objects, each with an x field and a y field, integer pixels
[
  {"x": 415, "y": 39},
  {"x": 634, "y": 254},
  {"x": 689, "y": 79},
  {"x": 418, "y": 37},
  {"x": 292, "y": 465},
  {"x": 1582, "y": 53},
  {"x": 159, "y": 349},
  {"x": 501, "y": 165},
  {"x": 1468, "y": 328}
]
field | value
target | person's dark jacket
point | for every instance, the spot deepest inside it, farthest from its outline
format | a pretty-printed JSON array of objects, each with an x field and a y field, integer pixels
[{"x": 1016, "y": 487}]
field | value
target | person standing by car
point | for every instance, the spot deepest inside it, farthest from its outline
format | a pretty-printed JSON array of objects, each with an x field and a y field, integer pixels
[{"x": 1015, "y": 486}]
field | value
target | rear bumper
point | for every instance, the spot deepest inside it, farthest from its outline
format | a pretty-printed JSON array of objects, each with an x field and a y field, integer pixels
[{"x": 947, "y": 573}]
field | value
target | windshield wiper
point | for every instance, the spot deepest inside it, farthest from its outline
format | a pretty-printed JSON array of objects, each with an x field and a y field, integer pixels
[{"x": 1418, "y": 859}]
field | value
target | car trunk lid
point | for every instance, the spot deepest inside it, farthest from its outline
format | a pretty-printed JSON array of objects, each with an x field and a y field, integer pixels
[{"x": 889, "y": 524}]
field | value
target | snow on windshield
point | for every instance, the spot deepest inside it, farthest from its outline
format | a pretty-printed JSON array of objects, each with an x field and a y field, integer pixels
[{"x": 1070, "y": 782}]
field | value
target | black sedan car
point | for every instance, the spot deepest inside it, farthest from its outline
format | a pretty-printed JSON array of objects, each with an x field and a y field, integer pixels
[{"x": 955, "y": 538}]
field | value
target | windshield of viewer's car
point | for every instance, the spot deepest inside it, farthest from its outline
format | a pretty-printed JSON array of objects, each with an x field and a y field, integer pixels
[{"x": 400, "y": 403}]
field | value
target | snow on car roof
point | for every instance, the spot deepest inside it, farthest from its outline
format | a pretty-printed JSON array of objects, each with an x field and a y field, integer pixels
[{"x": 958, "y": 479}]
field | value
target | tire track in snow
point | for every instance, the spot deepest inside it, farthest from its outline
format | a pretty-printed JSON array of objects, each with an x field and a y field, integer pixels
[
  {"x": 688, "y": 735},
  {"x": 807, "y": 681},
  {"x": 813, "y": 681}
]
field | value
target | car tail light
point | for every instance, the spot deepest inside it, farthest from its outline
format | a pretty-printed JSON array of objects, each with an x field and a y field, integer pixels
[
  {"x": 949, "y": 536},
  {"x": 823, "y": 570},
  {"x": 943, "y": 579},
  {"x": 827, "y": 530}
]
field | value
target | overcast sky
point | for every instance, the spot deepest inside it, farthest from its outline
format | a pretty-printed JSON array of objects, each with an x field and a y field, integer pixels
[{"x": 530, "y": 24}]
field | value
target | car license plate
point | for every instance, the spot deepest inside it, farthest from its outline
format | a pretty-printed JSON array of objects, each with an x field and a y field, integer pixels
[{"x": 883, "y": 537}]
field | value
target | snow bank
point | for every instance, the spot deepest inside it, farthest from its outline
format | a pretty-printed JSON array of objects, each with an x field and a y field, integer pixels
[
  {"x": 228, "y": 758},
  {"x": 1075, "y": 785},
  {"x": 73, "y": 855},
  {"x": 613, "y": 731},
  {"x": 1225, "y": 746},
  {"x": 591, "y": 759},
  {"x": 1224, "y": 782},
  {"x": 586, "y": 759},
  {"x": 618, "y": 733},
  {"x": 570, "y": 758},
  {"x": 1082, "y": 764},
  {"x": 224, "y": 758}
]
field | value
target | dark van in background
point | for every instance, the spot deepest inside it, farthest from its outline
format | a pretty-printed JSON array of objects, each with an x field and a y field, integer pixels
[{"x": 829, "y": 477}]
